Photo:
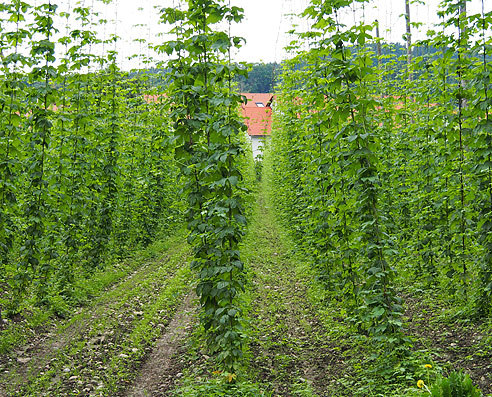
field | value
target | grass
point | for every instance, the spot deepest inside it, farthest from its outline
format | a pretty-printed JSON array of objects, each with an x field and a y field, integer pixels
[
  {"x": 300, "y": 340},
  {"x": 99, "y": 347},
  {"x": 86, "y": 290}
]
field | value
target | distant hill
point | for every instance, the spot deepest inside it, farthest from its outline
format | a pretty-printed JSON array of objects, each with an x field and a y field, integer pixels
[
  {"x": 261, "y": 78},
  {"x": 264, "y": 76}
]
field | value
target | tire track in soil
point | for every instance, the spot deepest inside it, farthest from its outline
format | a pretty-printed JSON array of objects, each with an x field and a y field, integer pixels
[
  {"x": 35, "y": 357},
  {"x": 159, "y": 372},
  {"x": 290, "y": 344}
]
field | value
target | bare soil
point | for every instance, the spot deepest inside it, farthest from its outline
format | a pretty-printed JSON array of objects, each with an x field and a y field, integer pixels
[
  {"x": 458, "y": 345},
  {"x": 161, "y": 369},
  {"x": 79, "y": 356}
]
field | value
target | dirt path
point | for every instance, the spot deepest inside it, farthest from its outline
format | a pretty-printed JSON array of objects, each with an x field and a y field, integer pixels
[
  {"x": 161, "y": 369},
  {"x": 132, "y": 340},
  {"x": 462, "y": 345},
  {"x": 291, "y": 349},
  {"x": 97, "y": 350}
]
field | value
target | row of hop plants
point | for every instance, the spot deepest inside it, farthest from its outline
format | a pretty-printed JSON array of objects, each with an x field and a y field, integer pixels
[
  {"x": 327, "y": 168},
  {"x": 94, "y": 160},
  {"x": 383, "y": 170},
  {"x": 217, "y": 171},
  {"x": 86, "y": 170},
  {"x": 439, "y": 162},
  {"x": 438, "y": 191}
]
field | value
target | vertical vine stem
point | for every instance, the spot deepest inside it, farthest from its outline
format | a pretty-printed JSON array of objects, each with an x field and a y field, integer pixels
[{"x": 208, "y": 146}]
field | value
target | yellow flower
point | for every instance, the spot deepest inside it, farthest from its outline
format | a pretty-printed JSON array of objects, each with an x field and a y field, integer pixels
[
  {"x": 428, "y": 366},
  {"x": 420, "y": 383}
]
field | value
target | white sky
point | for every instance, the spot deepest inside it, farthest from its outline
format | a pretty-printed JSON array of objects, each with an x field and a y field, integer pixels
[
  {"x": 267, "y": 21},
  {"x": 264, "y": 26}
]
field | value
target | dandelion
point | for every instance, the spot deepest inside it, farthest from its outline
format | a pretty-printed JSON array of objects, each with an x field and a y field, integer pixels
[
  {"x": 428, "y": 367},
  {"x": 422, "y": 385}
]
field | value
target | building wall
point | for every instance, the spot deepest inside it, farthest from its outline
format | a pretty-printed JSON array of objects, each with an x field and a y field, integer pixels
[{"x": 257, "y": 143}]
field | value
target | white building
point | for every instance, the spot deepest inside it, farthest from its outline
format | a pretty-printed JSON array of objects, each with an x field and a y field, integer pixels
[{"x": 258, "y": 117}]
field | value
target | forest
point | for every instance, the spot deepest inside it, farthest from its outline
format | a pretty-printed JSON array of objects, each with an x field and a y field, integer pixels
[{"x": 143, "y": 251}]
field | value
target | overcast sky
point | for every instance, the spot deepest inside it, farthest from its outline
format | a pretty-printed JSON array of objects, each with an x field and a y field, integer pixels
[{"x": 265, "y": 24}]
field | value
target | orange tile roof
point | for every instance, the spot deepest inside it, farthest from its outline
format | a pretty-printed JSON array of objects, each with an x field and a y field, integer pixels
[
  {"x": 257, "y": 97},
  {"x": 258, "y": 119},
  {"x": 153, "y": 98}
]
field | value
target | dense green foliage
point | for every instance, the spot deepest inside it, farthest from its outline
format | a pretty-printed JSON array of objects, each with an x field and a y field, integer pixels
[
  {"x": 209, "y": 146},
  {"x": 261, "y": 78},
  {"x": 384, "y": 174},
  {"x": 85, "y": 169},
  {"x": 456, "y": 385}
]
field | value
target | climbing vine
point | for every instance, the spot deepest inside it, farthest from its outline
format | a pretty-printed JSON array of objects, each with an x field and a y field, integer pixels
[
  {"x": 208, "y": 148},
  {"x": 385, "y": 179},
  {"x": 65, "y": 189}
]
